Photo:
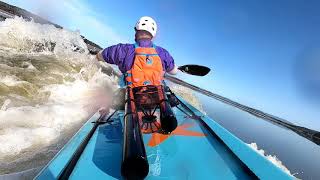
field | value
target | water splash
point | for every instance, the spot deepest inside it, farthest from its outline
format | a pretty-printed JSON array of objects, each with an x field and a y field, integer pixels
[
  {"x": 49, "y": 85},
  {"x": 187, "y": 94},
  {"x": 271, "y": 158}
]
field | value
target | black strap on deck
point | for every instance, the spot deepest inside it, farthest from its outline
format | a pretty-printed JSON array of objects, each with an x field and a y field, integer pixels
[{"x": 76, "y": 155}]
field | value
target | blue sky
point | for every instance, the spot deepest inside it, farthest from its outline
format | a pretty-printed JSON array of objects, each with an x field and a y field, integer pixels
[{"x": 262, "y": 53}]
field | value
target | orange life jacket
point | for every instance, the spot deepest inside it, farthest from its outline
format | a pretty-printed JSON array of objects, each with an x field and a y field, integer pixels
[{"x": 146, "y": 69}]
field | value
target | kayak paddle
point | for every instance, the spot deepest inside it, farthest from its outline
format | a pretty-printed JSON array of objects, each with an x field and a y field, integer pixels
[{"x": 193, "y": 69}]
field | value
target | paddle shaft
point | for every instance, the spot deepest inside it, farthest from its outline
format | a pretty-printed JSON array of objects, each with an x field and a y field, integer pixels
[{"x": 309, "y": 134}]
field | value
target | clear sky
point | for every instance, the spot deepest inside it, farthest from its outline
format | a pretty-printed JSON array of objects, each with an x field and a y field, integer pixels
[{"x": 265, "y": 54}]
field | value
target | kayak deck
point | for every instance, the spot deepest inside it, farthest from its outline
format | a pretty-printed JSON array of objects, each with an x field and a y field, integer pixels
[
  {"x": 197, "y": 149},
  {"x": 174, "y": 156}
]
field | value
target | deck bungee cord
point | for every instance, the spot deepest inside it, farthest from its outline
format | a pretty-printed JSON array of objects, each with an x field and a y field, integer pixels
[{"x": 75, "y": 157}]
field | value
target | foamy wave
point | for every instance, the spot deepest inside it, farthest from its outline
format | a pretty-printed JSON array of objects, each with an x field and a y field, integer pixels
[
  {"x": 49, "y": 85},
  {"x": 271, "y": 158},
  {"x": 24, "y": 175},
  {"x": 32, "y": 37},
  {"x": 9, "y": 80},
  {"x": 188, "y": 95},
  {"x": 30, "y": 126}
]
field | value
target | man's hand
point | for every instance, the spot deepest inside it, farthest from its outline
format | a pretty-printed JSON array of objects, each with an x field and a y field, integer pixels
[
  {"x": 174, "y": 71},
  {"x": 99, "y": 56}
]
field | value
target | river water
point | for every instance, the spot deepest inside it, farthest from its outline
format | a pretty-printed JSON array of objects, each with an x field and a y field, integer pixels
[{"x": 300, "y": 156}]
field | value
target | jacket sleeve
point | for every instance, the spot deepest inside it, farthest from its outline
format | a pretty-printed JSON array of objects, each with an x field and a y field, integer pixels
[
  {"x": 115, "y": 54},
  {"x": 167, "y": 59}
]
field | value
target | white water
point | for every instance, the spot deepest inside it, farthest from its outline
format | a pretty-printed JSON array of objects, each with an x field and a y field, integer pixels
[
  {"x": 271, "y": 158},
  {"x": 49, "y": 85},
  {"x": 188, "y": 95}
]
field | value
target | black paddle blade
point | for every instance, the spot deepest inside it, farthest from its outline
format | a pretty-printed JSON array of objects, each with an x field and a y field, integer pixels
[{"x": 195, "y": 69}]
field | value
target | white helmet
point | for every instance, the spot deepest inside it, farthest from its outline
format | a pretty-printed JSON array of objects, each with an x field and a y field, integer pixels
[{"x": 148, "y": 24}]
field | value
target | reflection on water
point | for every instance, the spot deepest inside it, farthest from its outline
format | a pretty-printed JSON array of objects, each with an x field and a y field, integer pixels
[{"x": 299, "y": 155}]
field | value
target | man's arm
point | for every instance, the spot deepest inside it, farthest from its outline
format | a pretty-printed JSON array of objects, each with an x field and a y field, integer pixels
[
  {"x": 113, "y": 54},
  {"x": 168, "y": 61}
]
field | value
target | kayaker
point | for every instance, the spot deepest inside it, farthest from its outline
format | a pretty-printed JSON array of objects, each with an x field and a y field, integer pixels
[{"x": 142, "y": 63}]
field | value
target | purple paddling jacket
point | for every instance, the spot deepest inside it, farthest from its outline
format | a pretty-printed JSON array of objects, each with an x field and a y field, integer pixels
[{"x": 122, "y": 55}]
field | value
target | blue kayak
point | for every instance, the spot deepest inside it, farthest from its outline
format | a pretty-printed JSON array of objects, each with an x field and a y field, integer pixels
[{"x": 198, "y": 148}]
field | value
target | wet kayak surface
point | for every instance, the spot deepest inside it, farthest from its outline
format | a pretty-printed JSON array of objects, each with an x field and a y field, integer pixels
[
  {"x": 190, "y": 152},
  {"x": 199, "y": 148}
]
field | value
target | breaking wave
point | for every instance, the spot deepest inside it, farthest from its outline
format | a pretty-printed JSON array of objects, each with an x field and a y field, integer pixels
[
  {"x": 271, "y": 158},
  {"x": 49, "y": 85}
]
